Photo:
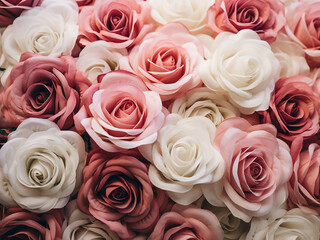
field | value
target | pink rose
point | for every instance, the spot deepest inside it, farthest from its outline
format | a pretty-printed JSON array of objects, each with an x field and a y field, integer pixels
[
  {"x": 11, "y": 9},
  {"x": 117, "y": 191},
  {"x": 258, "y": 167},
  {"x": 187, "y": 222},
  {"x": 122, "y": 23},
  {"x": 82, "y": 3},
  {"x": 120, "y": 113},
  {"x": 166, "y": 60},
  {"x": 304, "y": 187},
  {"x": 266, "y": 17},
  {"x": 20, "y": 224},
  {"x": 43, "y": 87},
  {"x": 294, "y": 108}
]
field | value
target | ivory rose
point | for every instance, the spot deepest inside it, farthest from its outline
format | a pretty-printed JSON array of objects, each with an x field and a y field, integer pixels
[{"x": 40, "y": 166}]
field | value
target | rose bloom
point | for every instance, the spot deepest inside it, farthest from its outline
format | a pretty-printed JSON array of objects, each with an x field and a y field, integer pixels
[
  {"x": 167, "y": 61},
  {"x": 265, "y": 17},
  {"x": 120, "y": 113},
  {"x": 245, "y": 72},
  {"x": 187, "y": 222},
  {"x": 122, "y": 23},
  {"x": 258, "y": 167},
  {"x": 11, "y": 9},
  {"x": 40, "y": 166},
  {"x": 294, "y": 108},
  {"x": 303, "y": 27},
  {"x": 43, "y": 87},
  {"x": 20, "y": 224},
  {"x": 117, "y": 191}
]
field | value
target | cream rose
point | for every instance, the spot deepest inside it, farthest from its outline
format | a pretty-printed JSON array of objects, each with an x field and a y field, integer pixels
[
  {"x": 183, "y": 158},
  {"x": 40, "y": 166},
  {"x": 243, "y": 68},
  {"x": 5, "y": 67}
]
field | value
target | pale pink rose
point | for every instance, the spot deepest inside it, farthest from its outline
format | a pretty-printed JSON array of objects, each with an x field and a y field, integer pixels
[
  {"x": 258, "y": 167},
  {"x": 120, "y": 113},
  {"x": 122, "y": 23},
  {"x": 266, "y": 17},
  {"x": 167, "y": 61}
]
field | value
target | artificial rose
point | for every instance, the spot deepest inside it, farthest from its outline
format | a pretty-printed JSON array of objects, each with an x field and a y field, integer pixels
[
  {"x": 191, "y": 13},
  {"x": 117, "y": 191},
  {"x": 294, "y": 108},
  {"x": 187, "y": 222},
  {"x": 43, "y": 87},
  {"x": 265, "y": 17},
  {"x": 11, "y": 9},
  {"x": 83, "y": 3},
  {"x": 120, "y": 113},
  {"x": 20, "y": 224},
  {"x": 258, "y": 167},
  {"x": 303, "y": 27},
  {"x": 122, "y": 23},
  {"x": 183, "y": 158},
  {"x": 245, "y": 72},
  {"x": 83, "y": 226},
  {"x": 49, "y": 30},
  {"x": 167, "y": 61},
  {"x": 204, "y": 102},
  {"x": 98, "y": 58},
  {"x": 40, "y": 166}
]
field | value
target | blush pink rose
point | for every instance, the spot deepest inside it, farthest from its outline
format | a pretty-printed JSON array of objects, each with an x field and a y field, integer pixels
[
  {"x": 117, "y": 191},
  {"x": 82, "y": 3},
  {"x": 120, "y": 113},
  {"x": 21, "y": 224},
  {"x": 294, "y": 108},
  {"x": 258, "y": 167},
  {"x": 43, "y": 87},
  {"x": 11, "y": 9},
  {"x": 266, "y": 17},
  {"x": 122, "y": 23},
  {"x": 167, "y": 61},
  {"x": 187, "y": 222}
]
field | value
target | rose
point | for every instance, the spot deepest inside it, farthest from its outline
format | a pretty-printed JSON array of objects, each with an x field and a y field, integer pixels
[
  {"x": 294, "y": 108},
  {"x": 258, "y": 167},
  {"x": 303, "y": 28},
  {"x": 98, "y": 58},
  {"x": 120, "y": 113},
  {"x": 117, "y": 191},
  {"x": 203, "y": 102},
  {"x": 5, "y": 66},
  {"x": 191, "y": 13},
  {"x": 122, "y": 23},
  {"x": 40, "y": 166},
  {"x": 43, "y": 87},
  {"x": 183, "y": 158},
  {"x": 82, "y": 226},
  {"x": 266, "y": 17},
  {"x": 187, "y": 222},
  {"x": 20, "y": 224},
  {"x": 82, "y": 3},
  {"x": 167, "y": 61},
  {"x": 10, "y": 9},
  {"x": 245, "y": 72},
  {"x": 49, "y": 30}
]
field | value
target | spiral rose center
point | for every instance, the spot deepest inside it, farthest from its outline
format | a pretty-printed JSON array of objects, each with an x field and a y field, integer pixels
[
  {"x": 117, "y": 22},
  {"x": 119, "y": 194}
]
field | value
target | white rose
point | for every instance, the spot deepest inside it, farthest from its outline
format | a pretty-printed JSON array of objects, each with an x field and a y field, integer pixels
[
  {"x": 98, "y": 58},
  {"x": 191, "y": 13},
  {"x": 242, "y": 67},
  {"x": 50, "y": 29},
  {"x": 183, "y": 158},
  {"x": 40, "y": 166},
  {"x": 5, "y": 67},
  {"x": 204, "y": 102}
]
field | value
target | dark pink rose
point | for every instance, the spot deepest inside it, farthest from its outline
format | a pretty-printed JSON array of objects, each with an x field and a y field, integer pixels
[
  {"x": 266, "y": 17},
  {"x": 10, "y": 9},
  {"x": 21, "y": 224},
  {"x": 122, "y": 23},
  {"x": 117, "y": 191},
  {"x": 43, "y": 87},
  {"x": 294, "y": 108}
]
